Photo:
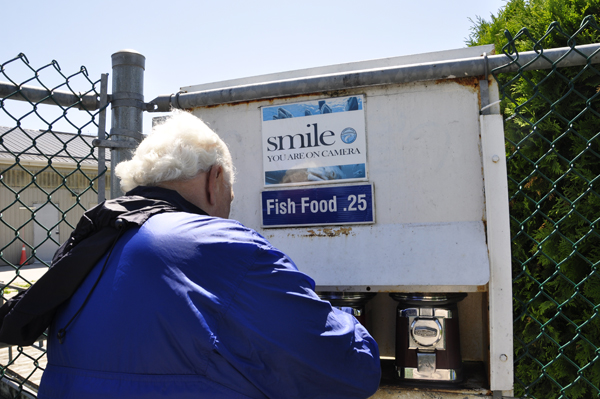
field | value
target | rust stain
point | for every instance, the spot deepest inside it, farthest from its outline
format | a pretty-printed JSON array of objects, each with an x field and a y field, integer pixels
[
  {"x": 467, "y": 81},
  {"x": 329, "y": 232},
  {"x": 269, "y": 101}
]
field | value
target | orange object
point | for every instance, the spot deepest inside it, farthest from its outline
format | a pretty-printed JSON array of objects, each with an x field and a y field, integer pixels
[{"x": 23, "y": 256}]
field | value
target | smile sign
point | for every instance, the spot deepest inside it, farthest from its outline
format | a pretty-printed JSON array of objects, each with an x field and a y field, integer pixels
[{"x": 314, "y": 141}]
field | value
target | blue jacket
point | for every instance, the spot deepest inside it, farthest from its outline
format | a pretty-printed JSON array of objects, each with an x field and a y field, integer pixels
[{"x": 193, "y": 306}]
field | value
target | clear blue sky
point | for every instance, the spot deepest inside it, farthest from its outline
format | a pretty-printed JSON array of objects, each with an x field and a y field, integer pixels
[{"x": 192, "y": 42}]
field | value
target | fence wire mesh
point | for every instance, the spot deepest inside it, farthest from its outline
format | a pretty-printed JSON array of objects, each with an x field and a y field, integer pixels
[
  {"x": 48, "y": 178},
  {"x": 552, "y": 131}
]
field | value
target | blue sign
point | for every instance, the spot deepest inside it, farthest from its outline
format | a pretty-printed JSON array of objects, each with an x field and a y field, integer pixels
[{"x": 317, "y": 206}]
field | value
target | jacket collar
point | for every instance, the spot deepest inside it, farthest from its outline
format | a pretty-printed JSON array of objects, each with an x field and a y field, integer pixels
[{"x": 164, "y": 194}]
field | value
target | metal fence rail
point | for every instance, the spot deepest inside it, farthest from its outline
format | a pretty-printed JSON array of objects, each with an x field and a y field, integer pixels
[
  {"x": 476, "y": 66},
  {"x": 552, "y": 131}
]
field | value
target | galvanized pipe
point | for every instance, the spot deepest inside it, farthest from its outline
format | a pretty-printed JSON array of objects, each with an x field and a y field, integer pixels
[
  {"x": 38, "y": 95},
  {"x": 127, "y": 105},
  {"x": 467, "y": 67}
]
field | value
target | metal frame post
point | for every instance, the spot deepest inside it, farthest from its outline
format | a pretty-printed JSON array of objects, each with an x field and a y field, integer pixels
[
  {"x": 501, "y": 371},
  {"x": 127, "y": 104}
]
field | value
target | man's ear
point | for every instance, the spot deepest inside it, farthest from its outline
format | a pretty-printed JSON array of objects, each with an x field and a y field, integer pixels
[{"x": 214, "y": 176}]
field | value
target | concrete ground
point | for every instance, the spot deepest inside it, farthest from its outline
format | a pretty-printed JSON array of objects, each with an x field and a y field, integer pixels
[
  {"x": 28, "y": 362},
  {"x": 27, "y": 273}
]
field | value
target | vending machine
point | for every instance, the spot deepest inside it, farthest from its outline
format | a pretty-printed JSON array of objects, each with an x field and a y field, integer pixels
[{"x": 385, "y": 181}]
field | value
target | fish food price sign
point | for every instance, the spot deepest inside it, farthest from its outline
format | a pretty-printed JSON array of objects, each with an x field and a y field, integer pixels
[
  {"x": 314, "y": 142},
  {"x": 331, "y": 205}
]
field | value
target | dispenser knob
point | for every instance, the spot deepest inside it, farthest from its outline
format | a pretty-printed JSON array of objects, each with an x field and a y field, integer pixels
[{"x": 426, "y": 332}]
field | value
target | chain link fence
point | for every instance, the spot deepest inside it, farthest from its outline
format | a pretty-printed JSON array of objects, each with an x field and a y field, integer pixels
[
  {"x": 48, "y": 178},
  {"x": 552, "y": 131}
]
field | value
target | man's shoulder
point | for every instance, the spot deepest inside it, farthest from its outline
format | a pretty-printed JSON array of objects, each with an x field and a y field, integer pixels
[
  {"x": 223, "y": 238},
  {"x": 212, "y": 228}
]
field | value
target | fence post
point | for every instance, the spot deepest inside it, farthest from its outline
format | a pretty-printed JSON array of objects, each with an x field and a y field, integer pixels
[{"x": 127, "y": 105}]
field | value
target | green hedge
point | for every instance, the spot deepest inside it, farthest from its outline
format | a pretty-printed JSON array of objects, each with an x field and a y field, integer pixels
[{"x": 552, "y": 130}]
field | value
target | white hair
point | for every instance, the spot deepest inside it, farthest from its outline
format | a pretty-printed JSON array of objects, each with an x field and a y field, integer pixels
[{"x": 177, "y": 149}]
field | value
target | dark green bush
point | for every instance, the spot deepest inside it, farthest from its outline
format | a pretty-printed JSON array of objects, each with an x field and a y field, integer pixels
[{"x": 552, "y": 130}]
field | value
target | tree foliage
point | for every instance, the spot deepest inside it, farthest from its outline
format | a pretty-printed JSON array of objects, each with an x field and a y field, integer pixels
[
  {"x": 552, "y": 130},
  {"x": 536, "y": 16}
]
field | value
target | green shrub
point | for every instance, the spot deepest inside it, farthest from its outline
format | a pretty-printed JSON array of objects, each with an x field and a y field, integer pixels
[{"x": 552, "y": 130}]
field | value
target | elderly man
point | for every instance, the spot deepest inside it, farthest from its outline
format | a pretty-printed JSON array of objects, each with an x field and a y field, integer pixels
[{"x": 182, "y": 302}]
